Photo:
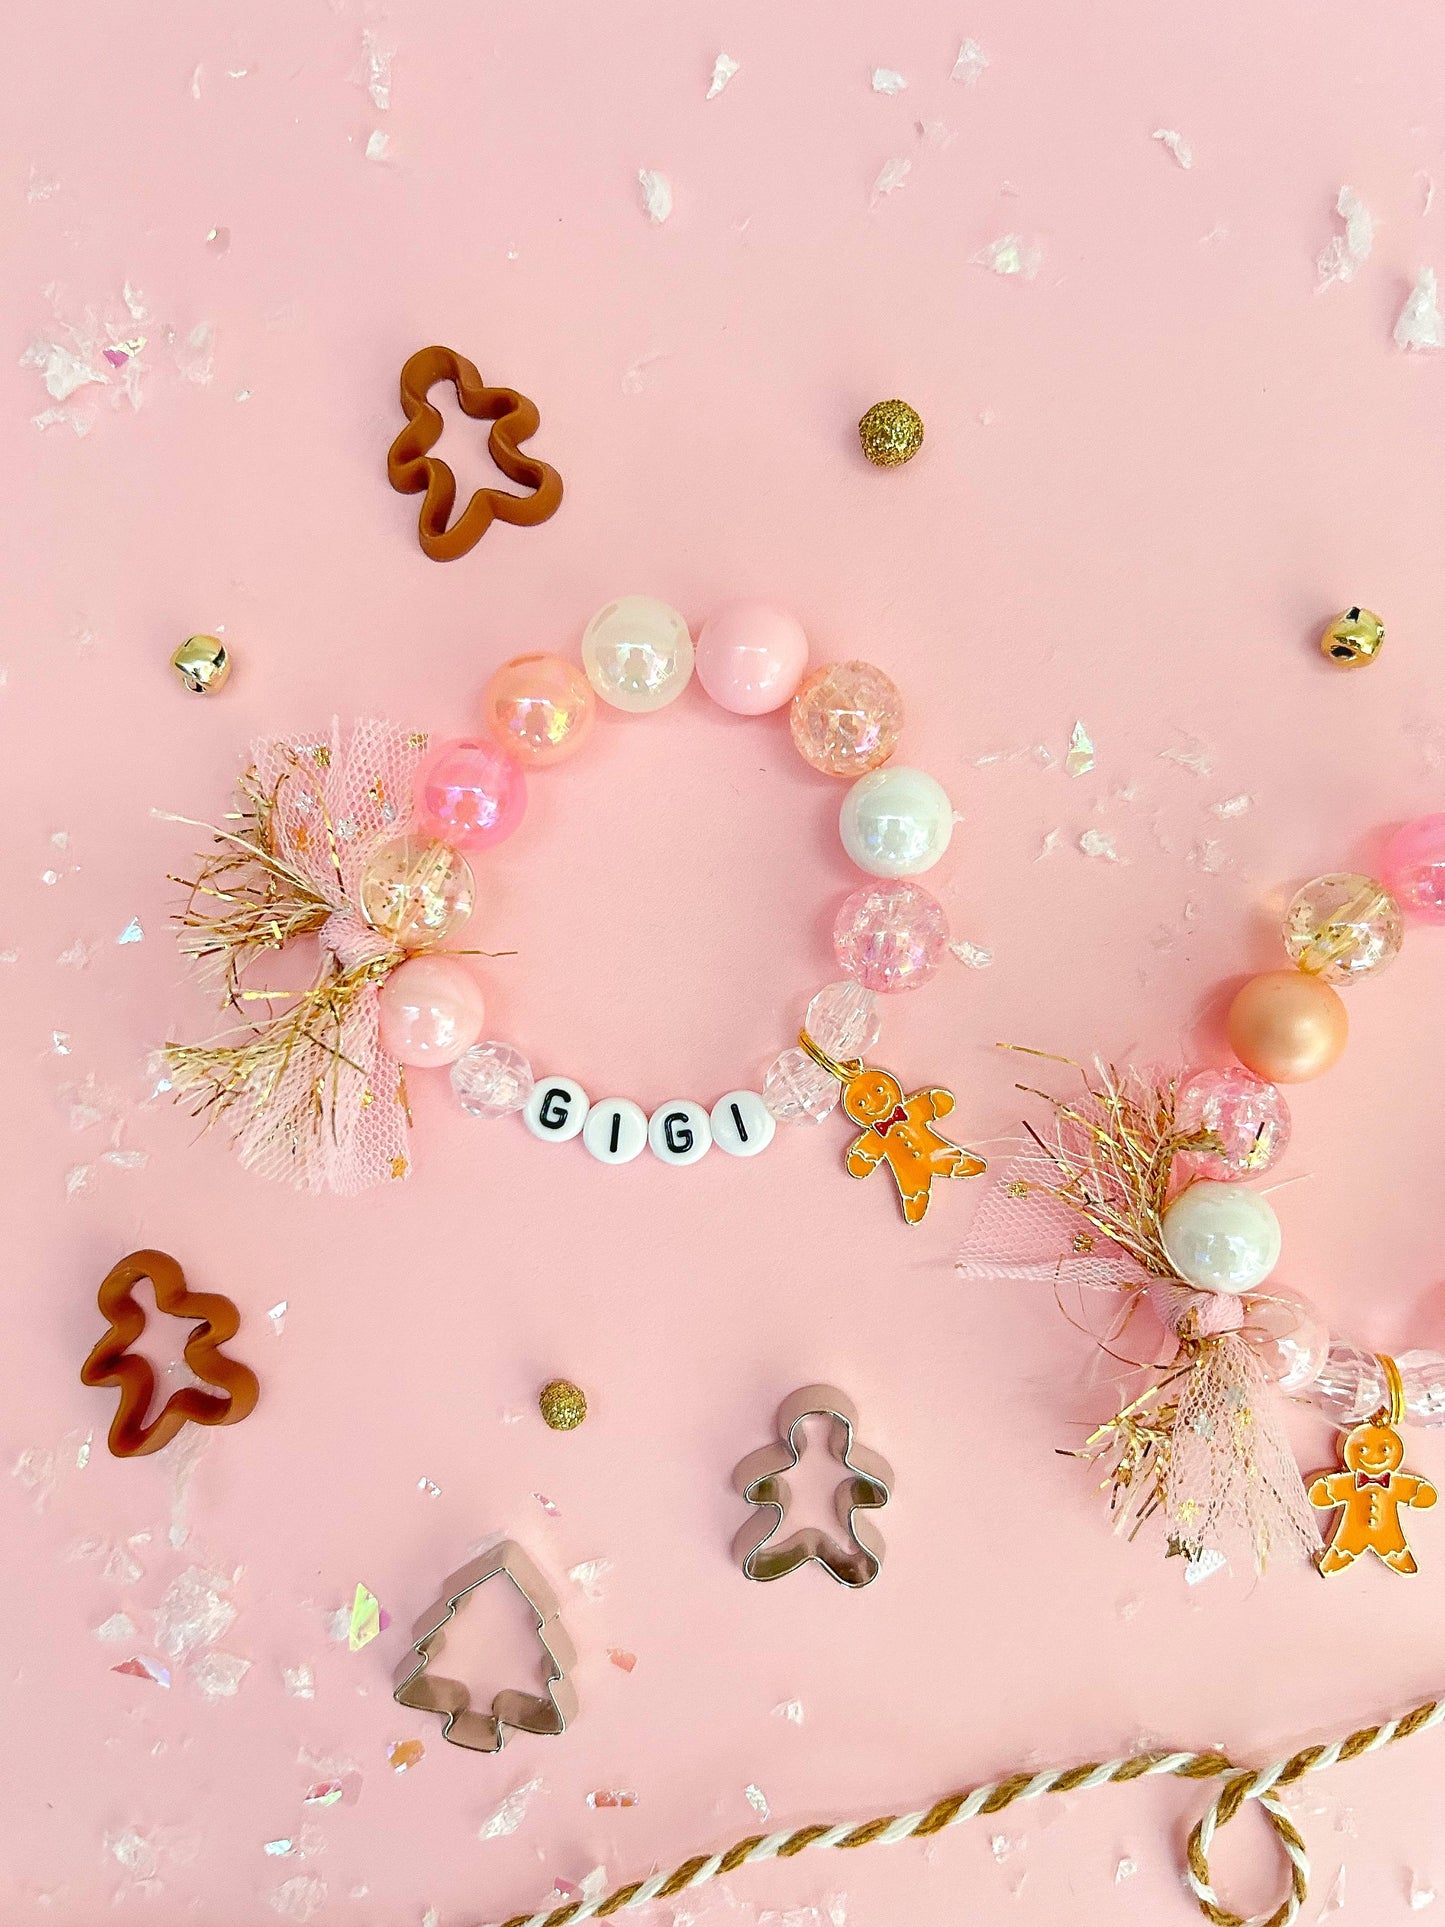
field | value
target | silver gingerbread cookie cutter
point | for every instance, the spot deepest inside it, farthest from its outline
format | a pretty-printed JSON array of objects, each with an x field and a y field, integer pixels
[{"x": 867, "y": 1486}]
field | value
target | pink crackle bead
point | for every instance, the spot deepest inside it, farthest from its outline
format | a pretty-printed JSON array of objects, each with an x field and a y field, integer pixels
[
  {"x": 1247, "y": 1115},
  {"x": 890, "y": 936},
  {"x": 1414, "y": 868}
]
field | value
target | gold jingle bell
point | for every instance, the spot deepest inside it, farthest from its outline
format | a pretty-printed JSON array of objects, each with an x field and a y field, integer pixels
[
  {"x": 1355, "y": 637},
  {"x": 202, "y": 664},
  {"x": 891, "y": 432}
]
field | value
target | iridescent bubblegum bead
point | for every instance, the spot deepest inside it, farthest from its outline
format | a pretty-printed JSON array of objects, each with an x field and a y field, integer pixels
[
  {"x": 470, "y": 794},
  {"x": 492, "y": 1079},
  {"x": 1290, "y": 1338},
  {"x": 1414, "y": 868},
  {"x": 539, "y": 708},
  {"x": 1248, "y": 1117},
  {"x": 798, "y": 1091},
  {"x": 843, "y": 1019},
  {"x": 890, "y": 936},
  {"x": 638, "y": 653},
  {"x": 846, "y": 718},
  {"x": 1343, "y": 926}
]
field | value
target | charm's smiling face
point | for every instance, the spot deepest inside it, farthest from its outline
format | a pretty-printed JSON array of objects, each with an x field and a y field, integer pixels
[
  {"x": 1374, "y": 1449},
  {"x": 871, "y": 1095}
]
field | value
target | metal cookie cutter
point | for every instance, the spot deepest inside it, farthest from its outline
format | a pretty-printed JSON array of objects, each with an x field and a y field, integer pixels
[
  {"x": 760, "y": 1479},
  {"x": 427, "y": 1692}
]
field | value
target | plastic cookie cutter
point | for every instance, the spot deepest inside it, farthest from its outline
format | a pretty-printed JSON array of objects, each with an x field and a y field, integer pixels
[
  {"x": 412, "y": 469},
  {"x": 113, "y": 1363},
  {"x": 761, "y": 1480},
  {"x": 546, "y": 1713}
]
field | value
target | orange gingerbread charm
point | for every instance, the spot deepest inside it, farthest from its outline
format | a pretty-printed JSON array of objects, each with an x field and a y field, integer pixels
[
  {"x": 1371, "y": 1488},
  {"x": 898, "y": 1130}
]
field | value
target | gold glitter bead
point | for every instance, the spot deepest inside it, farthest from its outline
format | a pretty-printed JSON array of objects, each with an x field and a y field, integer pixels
[
  {"x": 562, "y": 1404},
  {"x": 202, "y": 664},
  {"x": 1355, "y": 637},
  {"x": 891, "y": 432}
]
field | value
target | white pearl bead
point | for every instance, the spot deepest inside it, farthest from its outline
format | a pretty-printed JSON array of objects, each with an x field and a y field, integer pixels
[
  {"x": 896, "y": 822},
  {"x": 637, "y": 653},
  {"x": 742, "y": 1125},
  {"x": 616, "y": 1130},
  {"x": 1221, "y": 1237},
  {"x": 679, "y": 1132},
  {"x": 556, "y": 1109}
]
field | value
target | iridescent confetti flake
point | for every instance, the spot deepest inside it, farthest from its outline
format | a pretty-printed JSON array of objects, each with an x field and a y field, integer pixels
[
  {"x": 612, "y": 1797},
  {"x": 970, "y": 63},
  {"x": 299, "y": 1898},
  {"x": 1420, "y": 327},
  {"x": 118, "y": 1627},
  {"x": 1098, "y": 843},
  {"x": 219, "y": 1675},
  {"x": 972, "y": 954},
  {"x": 322, "y": 1793},
  {"x": 621, "y": 1659},
  {"x": 1010, "y": 254},
  {"x": 790, "y": 1710},
  {"x": 587, "y": 1576},
  {"x": 1125, "y": 1870},
  {"x": 142, "y": 1668},
  {"x": 757, "y": 1800},
  {"x": 277, "y": 1317},
  {"x": 1176, "y": 143},
  {"x": 505, "y": 1819},
  {"x": 1347, "y": 253},
  {"x": 194, "y": 1611},
  {"x": 723, "y": 69},
  {"x": 133, "y": 932},
  {"x": 552, "y": 1511},
  {"x": 1233, "y": 805},
  {"x": 1420, "y": 1893},
  {"x": 366, "y": 1619},
  {"x": 891, "y": 177},
  {"x": 278, "y": 1848},
  {"x": 378, "y": 145},
  {"x": 887, "y": 80},
  {"x": 1080, "y": 758},
  {"x": 376, "y": 68},
  {"x": 431, "y": 1490},
  {"x": 1191, "y": 754},
  {"x": 298, "y": 1682},
  {"x": 656, "y": 195},
  {"x": 402, "y": 1755},
  {"x": 135, "y": 1851},
  {"x": 76, "y": 956}
]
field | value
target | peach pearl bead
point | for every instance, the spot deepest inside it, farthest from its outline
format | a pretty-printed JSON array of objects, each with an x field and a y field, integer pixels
[
  {"x": 751, "y": 657},
  {"x": 1288, "y": 1027},
  {"x": 431, "y": 1011},
  {"x": 539, "y": 708}
]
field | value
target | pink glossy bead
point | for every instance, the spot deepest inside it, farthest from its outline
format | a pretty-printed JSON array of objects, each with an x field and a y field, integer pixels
[
  {"x": 540, "y": 708},
  {"x": 890, "y": 936},
  {"x": 751, "y": 657},
  {"x": 1413, "y": 870},
  {"x": 431, "y": 1011},
  {"x": 470, "y": 794},
  {"x": 1247, "y": 1116}
]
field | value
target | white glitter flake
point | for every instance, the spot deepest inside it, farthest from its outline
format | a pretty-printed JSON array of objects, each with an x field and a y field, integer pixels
[
  {"x": 299, "y": 1897},
  {"x": 135, "y": 1852},
  {"x": 1191, "y": 754},
  {"x": 1080, "y": 759},
  {"x": 133, "y": 933},
  {"x": 1010, "y": 254},
  {"x": 970, "y": 63},
  {"x": 723, "y": 69},
  {"x": 1053, "y": 840},
  {"x": 587, "y": 1576},
  {"x": 118, "y": 1627},
  {"x": 1210, "y": 855},
  {"x": 194, "y": 1611},
  {"x": 656, "y": 195},
  {"x": 218, "y": 1675},
  {"x": 790, "y": 1710},
  {"x": 1420, "y": 1893},
  {"x": 278, "y": 1848},
  {"x": 891, "y": 177},
  {"x": 506, "y": 1818},
  {"x": 378, "y": 145},
  {"x": 1347, "y": 253},
  {"x": 1233, "y": 805},
  {"x": 886, "y": 80},
  {"x": 1099, "y": 843},
  {"x": 972, "y": 954},
  {"x": 298, "y": 1682},
  {"x": 277, "y": 1317},
  {"x": 376, "y": 69},
  {"x": 76, "y": 956},
  {"x": 432, "y": 1490},
  {"x": 757, "y": 1800},
  {"x": 1176, "y": 143},
  {"x": 1125, "y": 1870},
  {"x": 1419, "y": 327}
]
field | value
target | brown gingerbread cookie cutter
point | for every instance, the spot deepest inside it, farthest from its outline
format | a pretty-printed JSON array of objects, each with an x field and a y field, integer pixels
[
  {"x": 760, "y": 1479},
  {"x": 413, "y": 470},
  {"x": 113, "y": 1363},
  {"x": 546, "y": 1713}
]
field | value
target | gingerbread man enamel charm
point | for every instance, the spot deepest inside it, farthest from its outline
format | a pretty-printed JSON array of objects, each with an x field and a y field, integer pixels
[
  {"x": 897, "y": 1131},
  {"x": 1370, "y": 1489}
]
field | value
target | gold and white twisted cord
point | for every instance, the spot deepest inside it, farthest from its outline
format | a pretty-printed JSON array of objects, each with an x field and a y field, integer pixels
[{"x": 1241, "y": 1785}]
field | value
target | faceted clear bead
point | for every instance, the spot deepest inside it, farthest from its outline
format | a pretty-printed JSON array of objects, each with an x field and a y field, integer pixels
[
  {"x": 1343, "y": 926},
  {"x": 492, "y": 1080},
  {"x": 1422, "y": 1375},
  {"x": 1350, "y": 1385},
  {"x": 1246, "y": 1118},
  {"x": 843, "y": 1019},
  {"x": 798, "y": 1091}
]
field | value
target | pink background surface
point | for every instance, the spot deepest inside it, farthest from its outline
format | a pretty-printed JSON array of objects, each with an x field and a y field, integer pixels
[{"x": 1151, "y": 472}]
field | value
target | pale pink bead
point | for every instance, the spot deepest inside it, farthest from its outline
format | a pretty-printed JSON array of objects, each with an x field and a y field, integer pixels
[
  {"x": 751, "y": 657},
  {"x": 539, "y": 708},
  {"x": 846, "y": 718},
  {"x": 1290, "y": 1337},
  {"x": 1249, "y": 1118},
  {"x": 890, "y": 936},
  {"x": 470, "y": 794},
  {"x": 1413, "y": 868},
  {"x": 431, "y": 1011}
]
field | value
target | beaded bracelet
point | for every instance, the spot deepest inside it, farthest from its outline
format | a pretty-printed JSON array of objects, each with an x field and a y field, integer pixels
[
  {"x": 1158, "y": 1170},
  {"x": 366, "y": 843}
]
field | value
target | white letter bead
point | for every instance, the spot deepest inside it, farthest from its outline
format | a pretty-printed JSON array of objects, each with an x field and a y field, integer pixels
[
  {"x": 679, "y": 1132},
  {"x": 616, "y": 1130},
  {"x": 742, "y": 1125},
  {"x": 556, "y": 1109}
]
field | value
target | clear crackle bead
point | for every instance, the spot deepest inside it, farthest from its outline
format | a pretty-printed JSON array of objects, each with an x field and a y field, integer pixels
[
  {"x": 1343, "y": 926},
  {"x": 843, "y": 1019},
  {"x": 798, "y": 1091},
  {"x": 492, "y": 1079}
]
